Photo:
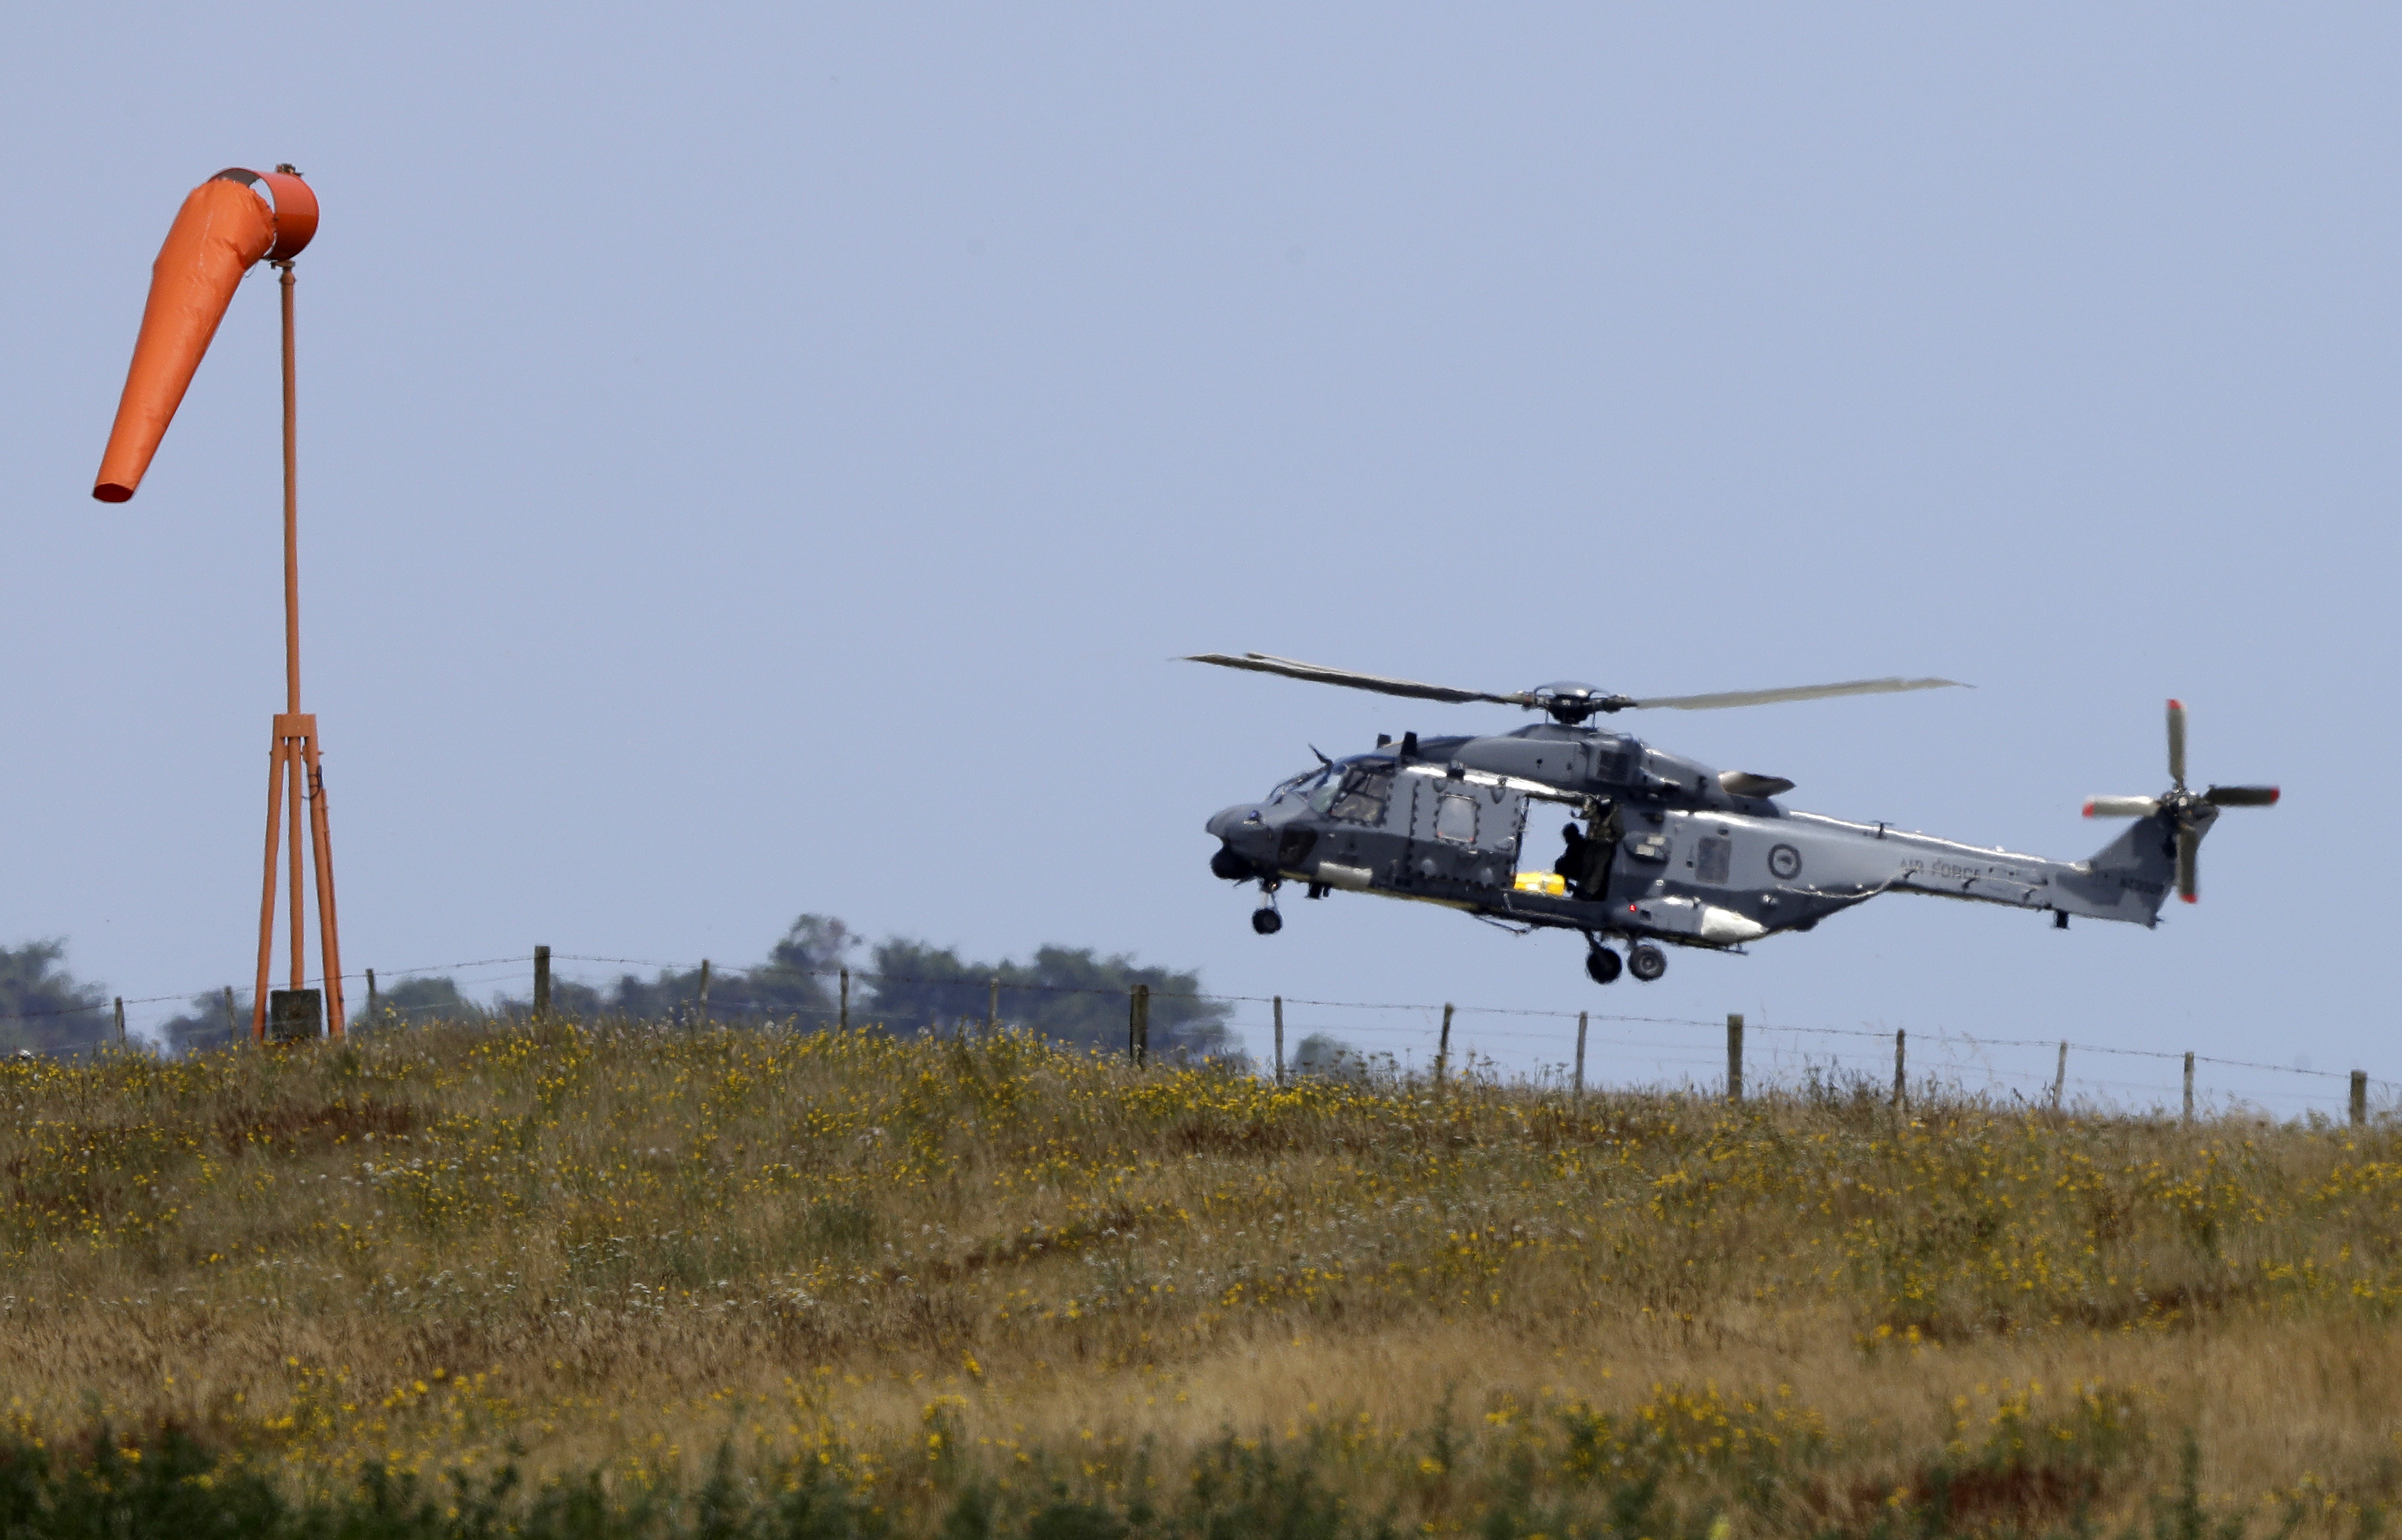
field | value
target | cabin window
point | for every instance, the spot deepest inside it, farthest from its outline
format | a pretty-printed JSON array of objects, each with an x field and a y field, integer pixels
[
  {"x": 1455, "y": 819},
  {"x": 1711, "y": 858},
  {"x": 1363, "y": 796}
]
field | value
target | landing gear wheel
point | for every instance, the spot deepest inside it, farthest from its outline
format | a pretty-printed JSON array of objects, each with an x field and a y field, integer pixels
[
  {"x": 1601, "y": 964},
  {"x": 1267, "y": 922},
  {"x": 1647, "y": 962}
]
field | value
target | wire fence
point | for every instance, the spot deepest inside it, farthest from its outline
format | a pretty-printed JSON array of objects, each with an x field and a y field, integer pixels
[{"x": 1406, "y": 1036}]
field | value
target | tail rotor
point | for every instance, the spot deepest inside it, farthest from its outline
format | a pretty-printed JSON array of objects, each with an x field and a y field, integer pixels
[{"x": 2189, "y": 814}]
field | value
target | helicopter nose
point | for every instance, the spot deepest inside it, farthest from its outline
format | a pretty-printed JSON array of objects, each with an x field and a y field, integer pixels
[
  {"x": 1245, "y": 829},
  {"x": 1250, "y": 845},
  {"x": 1232, "y": 823}
]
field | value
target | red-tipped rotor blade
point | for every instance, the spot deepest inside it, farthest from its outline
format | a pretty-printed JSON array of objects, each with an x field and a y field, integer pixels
[
  {"x": 2188, "y": 846},
  {"x": 2176, "y": 743}
]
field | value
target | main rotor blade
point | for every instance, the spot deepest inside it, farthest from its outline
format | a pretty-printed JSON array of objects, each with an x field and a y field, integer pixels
[
  {"x": 2241, "y": 796},
  {"x": 1799, "y": 692},
  {"x": 2176, "y": 743},
  {"x": 1319, "y": 673},
  {"x": 2189, "y": 843}
]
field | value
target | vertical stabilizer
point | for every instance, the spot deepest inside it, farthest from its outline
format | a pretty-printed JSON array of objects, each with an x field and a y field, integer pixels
[{"x": 2133, "y": 876}]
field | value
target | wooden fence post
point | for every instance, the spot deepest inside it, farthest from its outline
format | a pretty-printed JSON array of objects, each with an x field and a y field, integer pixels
[
  {"x": 1442, "y": 1046},
  {"x": 1138, "y": 1023},
  {"x": 371, "y": 998},
  {"x": 2189, "y": 1086},
  {"x": 992, "y": 1007},
  {"x": 233, "y": 1033},
  {"x": 1279, "y": 1040},
  {"x": 1580, "y": 1064},
  {"x": 121, "y": 1021},
  {"x": 2060, "y": 1075},
  {"x": 1901, "y": 1062},
  {"x": 2359, "y": 1097},
  {"x": 704, "y": 992},
  {"x": 1735, "y": 1057},
  {"x": 541, "y": 981},
  {"x": 844, "y": 1020}
]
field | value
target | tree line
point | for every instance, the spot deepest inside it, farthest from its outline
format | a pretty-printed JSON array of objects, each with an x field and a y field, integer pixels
[{"x": 905, "y": 985}]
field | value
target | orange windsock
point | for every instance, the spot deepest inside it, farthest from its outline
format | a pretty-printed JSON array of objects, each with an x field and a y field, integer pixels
[{"x": 224, "y": 227}]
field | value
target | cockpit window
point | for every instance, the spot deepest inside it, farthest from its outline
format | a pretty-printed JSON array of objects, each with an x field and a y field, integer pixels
[
  {"x": 1301, "y": 785},
  {"x": 1362, "y": 795}
]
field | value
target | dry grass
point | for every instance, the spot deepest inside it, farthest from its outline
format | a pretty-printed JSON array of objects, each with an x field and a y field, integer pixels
[{"x": 924, "y": 1263}]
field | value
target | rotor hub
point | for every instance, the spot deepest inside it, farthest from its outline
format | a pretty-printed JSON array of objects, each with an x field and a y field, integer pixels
[{"x": 1570, "y": 701}]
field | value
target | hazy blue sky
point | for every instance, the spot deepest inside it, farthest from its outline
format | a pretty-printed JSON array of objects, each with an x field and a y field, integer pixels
[{"x": 764, "y": 459}]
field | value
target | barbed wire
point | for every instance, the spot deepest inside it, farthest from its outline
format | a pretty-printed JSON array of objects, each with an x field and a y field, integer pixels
[{"x": 735, "y": 1008}]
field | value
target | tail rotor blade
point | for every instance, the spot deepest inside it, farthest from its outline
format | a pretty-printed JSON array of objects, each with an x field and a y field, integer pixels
[
  {"x": 2121, "y": 807},
  {"x": 2189, "y": 845},
  {"x": 2241, "y": 796},
  {"x": 2176, "y": 743}
]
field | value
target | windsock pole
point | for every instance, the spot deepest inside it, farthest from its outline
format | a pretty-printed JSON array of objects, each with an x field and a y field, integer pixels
[
  {"x": 294, "y": 768},
  {"x": 291, "y": 498}
]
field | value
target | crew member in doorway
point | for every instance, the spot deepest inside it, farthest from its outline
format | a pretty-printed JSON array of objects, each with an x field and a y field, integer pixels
[{"x": 1571, "y": 864}]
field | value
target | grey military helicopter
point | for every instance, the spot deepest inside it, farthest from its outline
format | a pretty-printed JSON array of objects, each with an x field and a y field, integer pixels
[{"x": 1658, "y": 848}]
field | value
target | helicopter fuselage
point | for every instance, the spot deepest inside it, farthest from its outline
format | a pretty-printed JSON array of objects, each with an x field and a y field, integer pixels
[{"x": 1658, "y": 847}]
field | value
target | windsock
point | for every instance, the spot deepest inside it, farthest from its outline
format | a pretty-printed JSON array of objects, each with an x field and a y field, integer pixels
[{"x": 227, "y": 224}]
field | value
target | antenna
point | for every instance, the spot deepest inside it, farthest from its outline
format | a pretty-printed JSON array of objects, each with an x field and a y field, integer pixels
[{"x": 227, "y": 225}]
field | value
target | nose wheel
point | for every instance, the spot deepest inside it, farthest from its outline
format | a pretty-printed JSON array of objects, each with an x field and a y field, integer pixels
[{"x": 1265, "y": 921}]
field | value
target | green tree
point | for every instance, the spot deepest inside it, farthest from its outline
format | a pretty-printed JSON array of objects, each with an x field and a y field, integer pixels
[
  {"x": 412, "y": 1001},
  {"x": 795, "y": 981},
  {"x": 1329, "y": 1057},
  {"x": 42, "y": 1008},
  {"x": 203, "y": 1025},
  {"x": 1067, "y": 992},
  {"x": 1071, "y": 993}
]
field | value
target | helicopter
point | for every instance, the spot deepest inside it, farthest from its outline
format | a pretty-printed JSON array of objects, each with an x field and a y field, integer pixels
[{"x": 1658, "y": 849}]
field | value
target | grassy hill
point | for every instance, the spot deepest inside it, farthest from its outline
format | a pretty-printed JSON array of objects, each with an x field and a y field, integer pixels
[{"x": 773, "y": 1282}]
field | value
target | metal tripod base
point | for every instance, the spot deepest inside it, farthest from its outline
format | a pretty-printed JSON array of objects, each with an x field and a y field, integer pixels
[{"x": 293, "y": 760}]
